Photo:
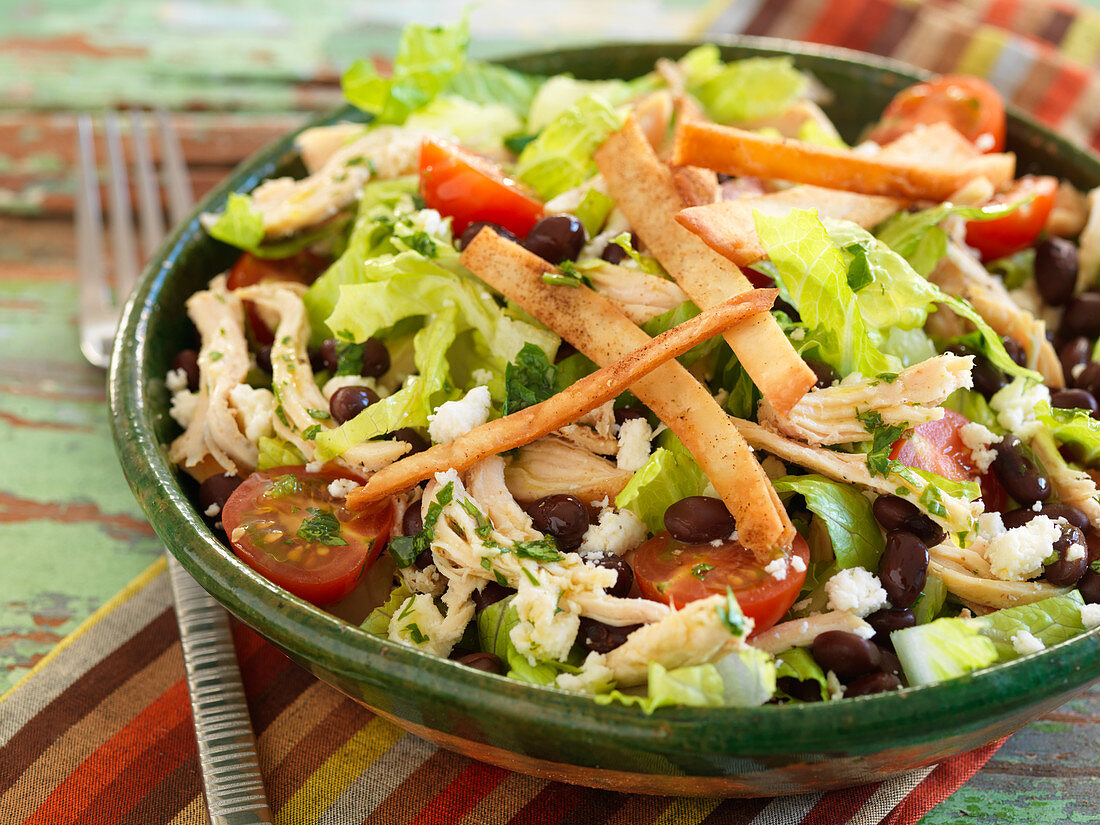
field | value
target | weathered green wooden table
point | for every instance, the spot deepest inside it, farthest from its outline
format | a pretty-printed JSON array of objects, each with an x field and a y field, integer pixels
[{"x": 237, "y": 76}]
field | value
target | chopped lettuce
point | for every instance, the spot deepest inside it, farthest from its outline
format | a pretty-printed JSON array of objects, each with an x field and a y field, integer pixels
[
  {"x": 669, "y": 475},
  {"x": 560, "y": 158},
  {"x": 1015, "y": 270},
  {"x": 561, "y": 93},
  {"x": 274, "y": 452},
  {"x": 644, "y": 262},
  {"x": 428, "y": 58},
  {"x": 946, "y": 648},
  {"x": 593, "y": 210},
  {"x": 481, "y": 127},
  {"x": 673, "y": 317},
  {"x": 748, "y": 677},
  {"x": 797, "y": 663},
  {"x": 239, "y": 225},
  {"x": 846, "y": 514},
  {"x": 377, "y": 622},
  {"x": 488, "y": 83},
  {"x": 931, "y": 600},
  {"x": 494, "y": 627},
  {"x": 742, "y": 90},
  {"x": 974, "y": 406},
  {"x": 1076, "y": 428}
]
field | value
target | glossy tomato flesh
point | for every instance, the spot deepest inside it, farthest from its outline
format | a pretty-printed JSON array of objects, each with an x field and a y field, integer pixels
[
  {"x": 285, "y": 525},
  {"x": 938, "y": 447},
  {"x": 302, "y": 267},
  {"x": 969, "y": 104},
  {"x": 1019, "y": 228},
  {"x": 672, "y": 572},
  {"x": 468, "y": 188}
]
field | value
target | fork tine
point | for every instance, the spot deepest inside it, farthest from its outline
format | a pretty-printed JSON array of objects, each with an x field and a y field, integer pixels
[
  {"x": 180, "y": 193},
  {"x": 96, "y": 307},
  {"x": 123, "y": 244},
  {"x": 151, "y": 218}
]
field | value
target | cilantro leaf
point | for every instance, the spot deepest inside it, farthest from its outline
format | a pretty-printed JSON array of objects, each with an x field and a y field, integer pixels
[
  {"x": 322, "y": 528},
  {"x": 528, "y": 380}
]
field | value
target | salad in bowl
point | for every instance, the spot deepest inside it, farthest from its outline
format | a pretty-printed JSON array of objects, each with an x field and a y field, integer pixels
[{"x": 656, "y": 390}]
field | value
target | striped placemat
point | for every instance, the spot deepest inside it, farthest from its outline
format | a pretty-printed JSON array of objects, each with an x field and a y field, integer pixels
[
  {"x": 1043, "y": 56},
  {"x": 99, "y": 733}
]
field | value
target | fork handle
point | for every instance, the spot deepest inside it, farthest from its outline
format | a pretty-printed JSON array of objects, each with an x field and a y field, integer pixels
[{"x": 231, "y": 776}]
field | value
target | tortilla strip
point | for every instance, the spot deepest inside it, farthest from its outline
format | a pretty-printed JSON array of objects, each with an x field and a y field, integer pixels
[
  {"x": 595, "y": 327},
  {"x": 740, "y": 152},
  {"x": 644, "y": 190},
  {"x": 728, "y": 227},
  {"x": 526, "y": 425}
]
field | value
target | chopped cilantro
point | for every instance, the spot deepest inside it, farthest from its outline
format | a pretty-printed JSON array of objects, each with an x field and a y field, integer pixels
[
  {"x": 281, "y": 414},
  {"x": 215, "y": 356},
  {"x": 859, "y": 270},
  {"x": 422, "y": 242},
  {"x": 322, "y": 528},
  {"x": 405, "y": 549},
  {"x": 503, "y": 582},
  {"x": 320, "y": 415},
  {"x": 407, "y": 609},
  {"x": 516, "y": 143},
  {"x": 415, "y": 634},
  {"x": 883, "y": 438},
  {"x": 931, "y": 501},
  {"x": 528, "y": 380},
  {"x": 700, "y": 570},
  {"x": 310, "y": 432},
  {"x": 730, "y": 614},
  {"x": 544, "y": 549},
  {"x": 282, "y": 486},
  {"x": 530, "y": 576},
  {"x": 887, "y": 377}
]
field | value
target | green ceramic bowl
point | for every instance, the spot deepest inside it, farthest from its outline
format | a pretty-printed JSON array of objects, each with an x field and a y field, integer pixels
[{"x": 758, "y": 751}]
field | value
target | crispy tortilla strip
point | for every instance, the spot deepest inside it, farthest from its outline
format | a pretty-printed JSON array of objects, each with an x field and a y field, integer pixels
[
  {"x": 728, "y": 227},
  {"x": 524, "y": 426},
  {"x": 595, "y": 327},
  {"x": 740, "y": 152},
  {"x": 643, "y": 188}
]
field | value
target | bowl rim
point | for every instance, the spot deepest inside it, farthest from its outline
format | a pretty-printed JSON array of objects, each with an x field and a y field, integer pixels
[{"x": 857, "y": 725}]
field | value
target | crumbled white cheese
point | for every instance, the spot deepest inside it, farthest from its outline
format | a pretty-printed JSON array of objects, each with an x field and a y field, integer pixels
[
  {"x": 1090, "y": 615},
  {"x": 1015, "y": 406},
  {"x": 856, "y": 590},
  {"x": 456, "y": 418},
  {"x": 797, "y": 565},
  {"x": 340, "y": 487},
  {"x": 255, "y": 410},
  {"x": 315, "y": 466},
  {"x": 777, "y": 568},
  {"x": 212, "y": 510},
  {"x": 593, "y": 677},
  {"x": 978, "y": 439},
  {"x": 184, "y": 403},
  {"x": 1075, "y": 552},
  {"x": 544, "y": 631},
  {"x": 482, "y": 377},
  {"x": 176, "y": 380},
  {"x": 1025, "y": 642},
  {"x": 340, "y": 381},
  {"x": 616, "y": 532},
  {"x": 634, "y": 436},
  {"x": 414, "y": 622},
  {"x": 836, "y": 689},
  {"x": 1017, "y": 554}
]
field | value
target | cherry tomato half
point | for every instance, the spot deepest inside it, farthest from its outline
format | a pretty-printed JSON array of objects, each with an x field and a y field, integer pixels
[
  {"x": 969, "y": 104},
  {"x": 938, "y": 447},
  {"x": 468, "y": 188},
  {"x": 672, "y": 572},
  {"x": 285, "y": 525},
  {"x": 1018, "y": 229},
  {"x": 302, "y": 267}
]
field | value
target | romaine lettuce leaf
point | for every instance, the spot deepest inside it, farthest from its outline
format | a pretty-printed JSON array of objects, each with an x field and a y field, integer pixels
[
  {"x": 748, "y": 677},
  {"x": 670, "y": 474},
  {"x": 560, "y": 158},
  {"x": 673, "y": 317},
  {"x": 798, "y": 663},
  {"x": 562, "y": 92},
  {"x": 377, "y": 622},
  {"x": 428, "y": 58},
  {"x": 930, "y": 602},
  {"x": 1076, "y": 428},
  {"x": 698, "y": 686},
  {"x": 494, "y": 626},
  {"x": 481, "y": 127},
  {"x": 239, "y": 225},
  {"x": 489, "y": 83},
  {"x": 846, "y": 514},
  {"x": 274, "y": 452},
  {"x": 742, "y": 90}
]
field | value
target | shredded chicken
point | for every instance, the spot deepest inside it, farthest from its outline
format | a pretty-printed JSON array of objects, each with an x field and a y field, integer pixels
[
  {"x": 1071, "y": 210},
  {"x": 638, "y": 294},
  {"x": 593, "y": 431},
  {"x": 555, "y": 465},
  {"x": 960, "y": 273},
  {"x": 802, "y": 632},
  {"x": 290, "y": 205},
  {"x": 966, "y": 574},
  {"x": 213, "y": 441},
  {"x": 318, "y": 144},
  {"x": 1088, "y": 255},
  {"x": 1071, "y": 486},
  {"x": 829, "y": 415}
]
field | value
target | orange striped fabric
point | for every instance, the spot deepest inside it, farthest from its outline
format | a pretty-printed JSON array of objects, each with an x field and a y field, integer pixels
[
  {"x": 100, "y": 734},
  {"x": 1044, "y": 57}
]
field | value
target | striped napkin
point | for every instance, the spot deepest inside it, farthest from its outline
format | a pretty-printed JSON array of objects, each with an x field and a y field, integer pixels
[{"x": 99, "y": 733}]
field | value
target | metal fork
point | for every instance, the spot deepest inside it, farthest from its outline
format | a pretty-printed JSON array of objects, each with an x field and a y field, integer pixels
[{"x": 227, "y": 748}]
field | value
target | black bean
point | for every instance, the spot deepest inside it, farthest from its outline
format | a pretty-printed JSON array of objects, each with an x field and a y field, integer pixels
[
  {"x": 565, "y": 349},
  {"x": 348, "y": 402},
  {"x": 1018, "y": 473},
  {"x": 903, "y": 568},
  {"x": 424, "y": 559},
  {"x": 625, "y": 581},
  {"x": 488, "y": 662},
  {"x": 1056, "y": 270},
  {"x": 1082, "y": 316},
  {"x": 613, "y": 253},
  {"x": 895, "y": 513},
  {"x": 871, "y": 684},
  {"x": 1073, "y": 400},
  {"x": 563, "y": 516},
  {"x": 216, "y": 491},
  {"x": 808, "y": 691},
  {"x": 1089, "y": 587},
  {"x": 415, "y": 440},
  {"x": 886, "y": 621},
  {"x": 1088, "y": 379},
  {"x": 846, "y": 654},
  {"x": 826, "y": 375},
  {"x": 698, "y": 519},
  {"x": 890, "y": 662},
  {"x": 782, "y": 306},
  {"x": 556, "y": 238},
  {"x": 1065, "y": 572},
  {"x": 603, "y": 638},
  {"x": 1015, "y": 351},
  {"x": 263, "y": 358},
  {"x": 1077, "y": 518},
  {"x": 490, "y": 593},
  {"x": 1074, "y": 353},
  {"x": 471, "y": 232},
  {"x": 624, "y": 414},
  {"x": 316, "y": 359},
  {"x": 412, "y": 522},
  {"x": 1092, "y": 544},
  {"x": 188, "y": 361}
]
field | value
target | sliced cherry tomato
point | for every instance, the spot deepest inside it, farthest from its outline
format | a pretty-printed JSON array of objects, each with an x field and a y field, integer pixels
[
  {"x": 672, "y": 572},
  {"x": 1018, "y": 229},
  {"x": 938, "y": 447},
  {"x": 285, "y": 525},
  {"x": 302, "y": 267},
  {"x": 468, "y": 188},
  {"x": 969, "y": 104}
]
